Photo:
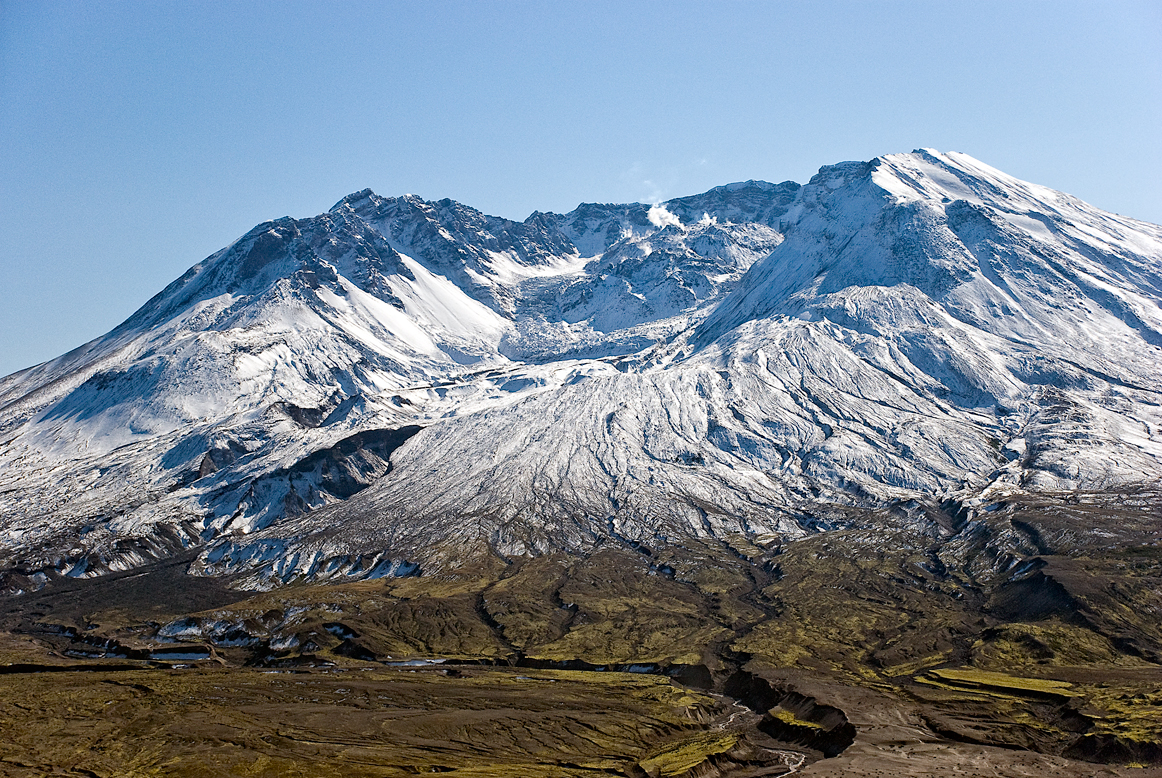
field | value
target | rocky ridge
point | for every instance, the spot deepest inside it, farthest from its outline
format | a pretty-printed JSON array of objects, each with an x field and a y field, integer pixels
[{"x": 399, "y": 385}]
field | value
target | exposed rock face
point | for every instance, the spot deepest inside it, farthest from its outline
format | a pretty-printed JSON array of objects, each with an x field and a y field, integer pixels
[{"x": 397, "y": 384}]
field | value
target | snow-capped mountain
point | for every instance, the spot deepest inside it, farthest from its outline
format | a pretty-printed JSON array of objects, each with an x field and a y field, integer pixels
[{"x": 398, "y": 384}]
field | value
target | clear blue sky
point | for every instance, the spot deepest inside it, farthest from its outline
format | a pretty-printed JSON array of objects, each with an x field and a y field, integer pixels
[{"x": 138, "y": 137}]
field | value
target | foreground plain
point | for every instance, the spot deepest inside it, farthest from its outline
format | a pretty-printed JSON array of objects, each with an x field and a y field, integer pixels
[{"x": 1022, "y": 642}]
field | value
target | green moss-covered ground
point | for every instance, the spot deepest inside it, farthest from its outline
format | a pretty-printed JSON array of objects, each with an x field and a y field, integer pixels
[{"x": 1022, "y": 628}]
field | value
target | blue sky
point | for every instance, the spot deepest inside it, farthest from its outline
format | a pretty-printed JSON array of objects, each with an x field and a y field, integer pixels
[{"x": 138, "y": 137}]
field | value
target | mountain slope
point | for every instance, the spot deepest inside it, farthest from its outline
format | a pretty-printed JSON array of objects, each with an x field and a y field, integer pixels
[{"x": 399, "y": 384}]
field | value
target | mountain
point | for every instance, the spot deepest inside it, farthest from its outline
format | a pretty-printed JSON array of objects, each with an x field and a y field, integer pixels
[{"x": 401, "y": 386}]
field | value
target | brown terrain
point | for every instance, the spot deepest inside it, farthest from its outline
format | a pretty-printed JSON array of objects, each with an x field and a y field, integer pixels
[{"x": 1022, "y": 640}]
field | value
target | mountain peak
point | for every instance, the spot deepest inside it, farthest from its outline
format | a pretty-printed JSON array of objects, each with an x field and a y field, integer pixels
[
  {"x": 354, "y": 198},
  {"x": 920, "y": 327}
]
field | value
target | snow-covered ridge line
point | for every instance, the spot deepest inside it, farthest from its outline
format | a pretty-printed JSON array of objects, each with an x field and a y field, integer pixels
[{"x": 759, "y": 359}]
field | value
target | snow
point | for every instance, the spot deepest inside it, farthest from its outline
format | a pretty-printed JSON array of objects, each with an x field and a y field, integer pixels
[
  {"x": 922, "y": 326},
  {"x": 437, "y": 302}
]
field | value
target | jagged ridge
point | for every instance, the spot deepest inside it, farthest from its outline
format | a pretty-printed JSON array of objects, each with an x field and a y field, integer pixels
[{"x": 756, "y": 359}]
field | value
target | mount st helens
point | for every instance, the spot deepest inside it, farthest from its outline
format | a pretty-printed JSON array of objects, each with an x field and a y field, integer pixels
[
  {"x": 397, "y": 385},
  {"x": 858, "y": 477}
]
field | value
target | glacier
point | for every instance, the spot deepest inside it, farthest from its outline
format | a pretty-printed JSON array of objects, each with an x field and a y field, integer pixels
[{"x": 398, "y": 386}]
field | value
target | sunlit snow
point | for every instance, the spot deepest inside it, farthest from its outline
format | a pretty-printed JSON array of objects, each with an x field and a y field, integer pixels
[{"x": 745, "y": 361}]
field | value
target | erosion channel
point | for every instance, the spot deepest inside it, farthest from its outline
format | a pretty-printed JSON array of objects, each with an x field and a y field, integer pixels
[{"x": 1005, "y": 644}]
